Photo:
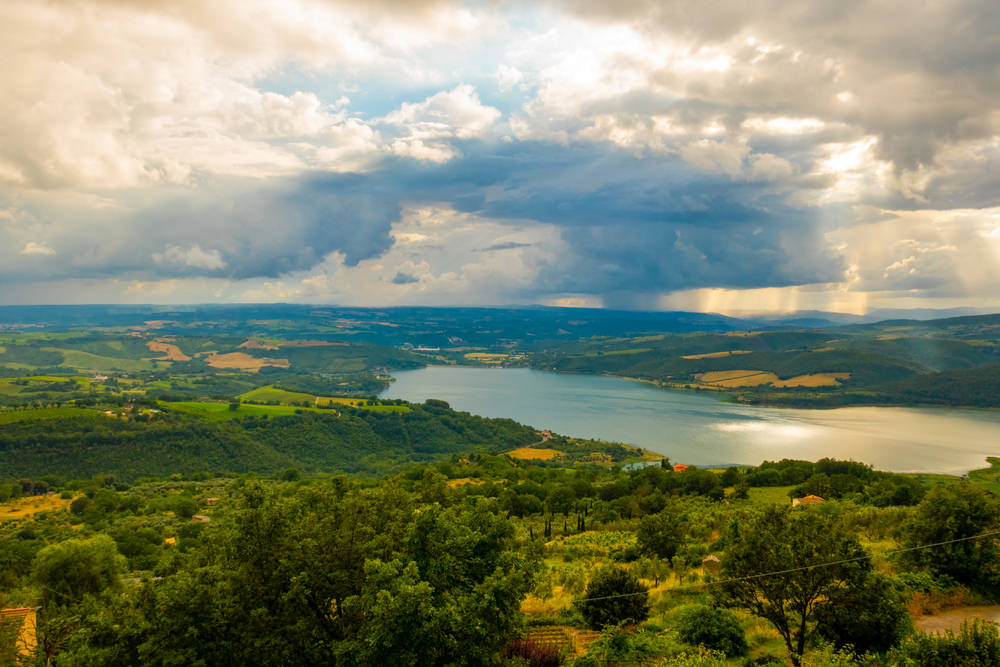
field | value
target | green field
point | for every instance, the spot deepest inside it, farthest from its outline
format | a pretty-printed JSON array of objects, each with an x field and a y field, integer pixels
[
  {"x": 217, "y": 412},
  {"x": 770, "y": 495},
  {"x": 988, "y": 477},
  {"x": 11, "y": 416},
  {"x": 291, "y": 398},
  {"x": 270, "y": 393},
  {"x": 93, "y": 362}
]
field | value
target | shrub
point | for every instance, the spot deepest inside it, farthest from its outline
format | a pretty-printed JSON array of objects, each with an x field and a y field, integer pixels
[
  {"x": 613, "y": 596},
  {"x": 871, "y": 616},
  {"x": 533, "y": 654},
  {"x": 976, "y": 645},
  {"x": 713, "y": 628}
]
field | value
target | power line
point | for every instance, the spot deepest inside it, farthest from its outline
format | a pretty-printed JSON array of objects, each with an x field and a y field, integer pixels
[{"x": 797, "y": 569}]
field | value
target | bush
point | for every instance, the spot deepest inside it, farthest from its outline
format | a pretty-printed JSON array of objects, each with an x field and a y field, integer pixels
[
  {"x": 713, "y": 628},
  {"x": 614, "y": 596},
  {"x": 976, "y": 645},
  {"x": 533, "y": 654},
  {"x": 871, "y": 616},
  {"x": 621, "y": 646}
]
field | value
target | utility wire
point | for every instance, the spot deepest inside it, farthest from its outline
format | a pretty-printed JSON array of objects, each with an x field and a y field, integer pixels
[{"x": 797, "y": 569}]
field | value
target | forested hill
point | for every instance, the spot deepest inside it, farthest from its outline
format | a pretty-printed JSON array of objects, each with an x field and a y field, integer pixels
[
  {"x": 953, "y": 361},
  {"x": 159, "y": 443}
]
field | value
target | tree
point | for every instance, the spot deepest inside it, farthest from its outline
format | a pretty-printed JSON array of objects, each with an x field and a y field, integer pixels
[
  {"x": 614, "y": 595},
  {"x": 343, "y": 577},
  {"x": 713, "y": 628},
  {"x": 950, "y": 513},
  {"x": 663, "y": 533},
  {"x": 783, "y": 568},
  {"x": 68, "y": 571},
  {"x": 870, "y": 616}
]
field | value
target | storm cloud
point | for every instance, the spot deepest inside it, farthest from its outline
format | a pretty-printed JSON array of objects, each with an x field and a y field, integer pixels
[{"x": 573, "y": 151}]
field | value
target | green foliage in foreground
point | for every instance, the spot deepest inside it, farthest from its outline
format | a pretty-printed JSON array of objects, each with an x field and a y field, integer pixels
[
  {"x": 976, "y": 645},
  {"x": 712, "y": 628},
  {"x": 614, "y": 596},
  {"x": 954, "y": 515},
  {"x": 69, "y": 571},
  {"x": 325, "y": 576},
  {"x": 307, "y": 569},
  {"x": 819, "y": 557}
]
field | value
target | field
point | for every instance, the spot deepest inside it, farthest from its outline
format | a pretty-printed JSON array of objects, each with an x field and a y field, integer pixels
[
  {"x": 634, "y": 350},
  {"x": 31, "y": 505},
  {"x": 11, "y": 416},
  {"x": 243, "y": 361},
  {"x": 92, "y": 362},
  {"x": 172, "y": 352},
  {"x": 270, "y": 394},
  {"x": 257, "y": 344},
  {"x": 216, "y": 412},
  {"x": 813, "y": 380},
  {"x": 715, "y": 355},
  {"x": 748, "y": 378},
  {"x": 988, "y": 477},
  {"x": 532, "y": 454},
  {"x": 738, "y": 378}
]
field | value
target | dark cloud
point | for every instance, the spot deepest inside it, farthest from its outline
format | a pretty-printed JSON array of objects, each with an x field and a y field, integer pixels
[
  {"x": 510, "y": 245},
  {"x": 404, "y": 279},
  {"x": 631, "y": 224}
]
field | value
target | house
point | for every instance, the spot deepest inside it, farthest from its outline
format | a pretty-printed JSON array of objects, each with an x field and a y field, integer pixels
[
  {"x": 807, "y": 500},
  {"x": 711, "y": 564},
  {"x": 201, "y": 518},
  {"x": 680, "y": 467},
  {"x": 211, "y": 501}
]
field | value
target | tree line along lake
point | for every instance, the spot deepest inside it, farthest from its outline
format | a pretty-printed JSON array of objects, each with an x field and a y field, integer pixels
[{"x": 700, "y": 429}]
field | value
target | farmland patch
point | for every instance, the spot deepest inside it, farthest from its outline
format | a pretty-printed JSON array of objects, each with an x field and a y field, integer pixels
[
  {"x": 736, "y": 378},
  {"x": 172, "y": 352},
  {"x": 532, "y": 454},
  {"x": 715, "y": 355},
  {"x": 243, "y": 361}
]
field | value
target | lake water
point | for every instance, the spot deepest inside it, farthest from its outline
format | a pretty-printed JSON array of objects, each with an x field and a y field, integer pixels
[{"x": 697, "y": 428}]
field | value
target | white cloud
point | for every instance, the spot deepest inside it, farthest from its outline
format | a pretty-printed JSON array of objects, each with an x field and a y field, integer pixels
[
  {"x": 35, "y": 248},
  {"x": 424, "y": 127},
  {"x": 123, "y": 95},
  {"x": 507, "y": 77}
]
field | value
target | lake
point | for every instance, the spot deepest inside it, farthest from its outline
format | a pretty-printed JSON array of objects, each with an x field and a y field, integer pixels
[{"x": 697, "y": 428}]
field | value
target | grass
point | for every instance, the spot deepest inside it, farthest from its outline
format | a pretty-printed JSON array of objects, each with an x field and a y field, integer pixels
[
  {"x": 31, "y": 505},
  {"x": 529, "y": 453},
  {"x": 737, "y": 378},
  {"x": 714, "y": 355},
  {"x": 11, "y": 416},
  {"x": 988, "y": 477},
  {"x": 243, "y": 361},
  {"x": 813, "y": 380},
  {"x": 218, "y": 412},
  {"x": 93, "y": 362},
  {"x": 270, "y": 393},
  {"x": 609, "y": 353},
  {"x": 770, "y": 495}
]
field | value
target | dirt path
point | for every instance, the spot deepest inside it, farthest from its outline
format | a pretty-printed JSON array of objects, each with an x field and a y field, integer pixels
[{"x": 951, "y": 619}]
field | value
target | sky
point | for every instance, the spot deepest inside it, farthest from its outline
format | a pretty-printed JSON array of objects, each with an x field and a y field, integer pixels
[{"x": 726, "y": 156}]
